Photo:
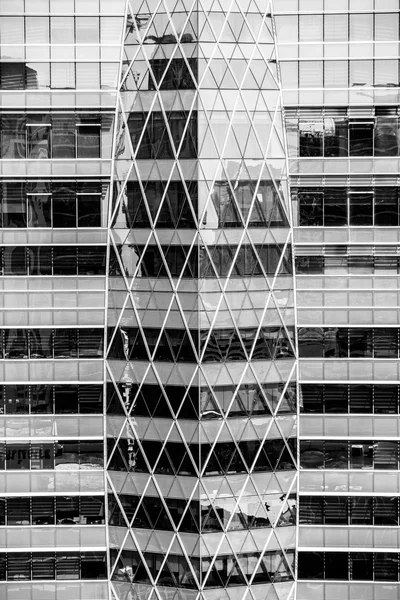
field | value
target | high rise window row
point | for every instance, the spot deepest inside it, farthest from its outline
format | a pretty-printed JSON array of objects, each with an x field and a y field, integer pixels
[
  {"x": 354, "y": 454},
  {"x": 227, "y": 570},
  {"x": 64, "y": 454},
  {"x": 354, "y": 206},
  {"x": 173, "y": 458},
  {"x": 268, "y": 343},
  {"x": 353, "y": 566},
  {"x": 200, "y": 402},
  {"x": 355, "y": 265},
  {"x": 232, "y": 204},
  {"x": 151, "y": 139},
  {"x": 341, "y": 137},
  {"x": 52, "y": 260},
  {"x": 59, "y": 30},
  {"x": 215, "y": 261},
  {"x": 51, "y": 343},
  {"x": 51, "y": 399},
  {"x": 342, "y": 398},
  {"x": 343, "y": 342},
  {"x": 349, "y": 510},
  {"x": 52, "y": 565},
  {"x": 309, "y": 72},
  {"x": 339, "y": 27},
  {"x": 195, "y": 517},
  {"x": 52, "y": 135},
  {"x": 51, "y": 510},
  {"x": 54, "y": 203},
  {"x": 56, "y": 75}
]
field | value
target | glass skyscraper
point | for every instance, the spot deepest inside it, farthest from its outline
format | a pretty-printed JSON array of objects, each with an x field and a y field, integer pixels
[{"x": 199, "y": 266}]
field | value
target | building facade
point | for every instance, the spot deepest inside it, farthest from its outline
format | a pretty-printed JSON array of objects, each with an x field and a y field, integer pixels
[
  {"x": 151, "y": 317},
  {"x": 339, "y": 62},
  {"x": 148, "y": 367},
  {"x": 60, "y": 63},
  {"x": 201, "y": 362}
]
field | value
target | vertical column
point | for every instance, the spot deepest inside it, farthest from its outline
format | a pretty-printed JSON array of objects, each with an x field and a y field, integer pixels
[{"x": 201, "y": 359}]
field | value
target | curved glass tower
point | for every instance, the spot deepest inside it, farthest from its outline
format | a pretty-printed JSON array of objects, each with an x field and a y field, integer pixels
[{"x": 201, "y": 366}]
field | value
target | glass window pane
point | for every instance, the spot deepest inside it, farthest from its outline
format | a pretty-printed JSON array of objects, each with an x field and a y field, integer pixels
[
  {"x": 311, "y": 28},
  {"x": 361, "y": 205},
  {"x": 12, "y": 76},
  {"x": 87, "y": 76},
  {"x": 87, "y": 30},
  {"x": 386, "y": 28},
  {"x": 63, "y": 75},
  {"x": 12, "y": 31},
  {"x": 37, "y": 76},
  {"x": 386, "y": 136},
  {"x": 311, "y": 138},
  {"x": 336, "y": 73},
  {"x": 111, "y": 30},
  {"x": 13, "y": 140},
  {"x": 38, "y": 137},
  {"x": 386, "y": 73},
  {"x": 386, "y": 206},
  {"x": 43, "y": 565},
  {"x": 290, "y": 74},
  {"x": 335, "y": 207},
  {"x": 14, "y": 205},
  {"x": 37, "y": 30},
  {"x": 63, "y": 135},
  {"x": 311, "y": 75},
  {"x": 361, "y": 27},
  {"x": 64, "y": 205},
  {"x": 361, "y": 72},
  {"x": 88, "y": 140},
  {"x": 62, "y": 30},
  {"x": 361, "y": 138},
  {"x": 335, "y": 137},
  {"x": 336, "y": 28}
]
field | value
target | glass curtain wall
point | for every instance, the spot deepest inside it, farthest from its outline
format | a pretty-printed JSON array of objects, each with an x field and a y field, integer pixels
[{"x": 201, "y": 360}]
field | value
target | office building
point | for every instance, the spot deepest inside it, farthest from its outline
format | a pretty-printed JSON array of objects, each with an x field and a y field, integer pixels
[
  {"x": 339, "y": 62},
  {"x": 148, "y": 364}
]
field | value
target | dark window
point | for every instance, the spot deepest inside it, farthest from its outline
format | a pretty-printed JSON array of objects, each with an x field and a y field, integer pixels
[
  {"x": 67, "y": 565},
  {"x": 311, "y": 138},
  {"x": 336, "y": 137},
  {"x": 12, "y": 76},
  {"x": 19, "y": 565},
  {"x": 43, "y": 510},
  {"x": 361, "y": 565},
  {"x": 64, "y": 205},
  {"x": 335, "y": 510},
  {"x": 361, "y": 206},
  {"x": 386, "y": 206},
  {"x": 361, "y": 136},
  {"x": 311, "y": 208},
  {"x": 18, "y": 511},
  {"x": 175, "y": 75},
  {"x": 88, "y": 138},
  {"x": 43, "y": 565},
  {"x": 335, "y": 207},
  {"x": 155, "y": 141},
  {"x": 65, "y": 260},
  {"x": 311, "y": 565},
  {"x": 336, "y": 565}
]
